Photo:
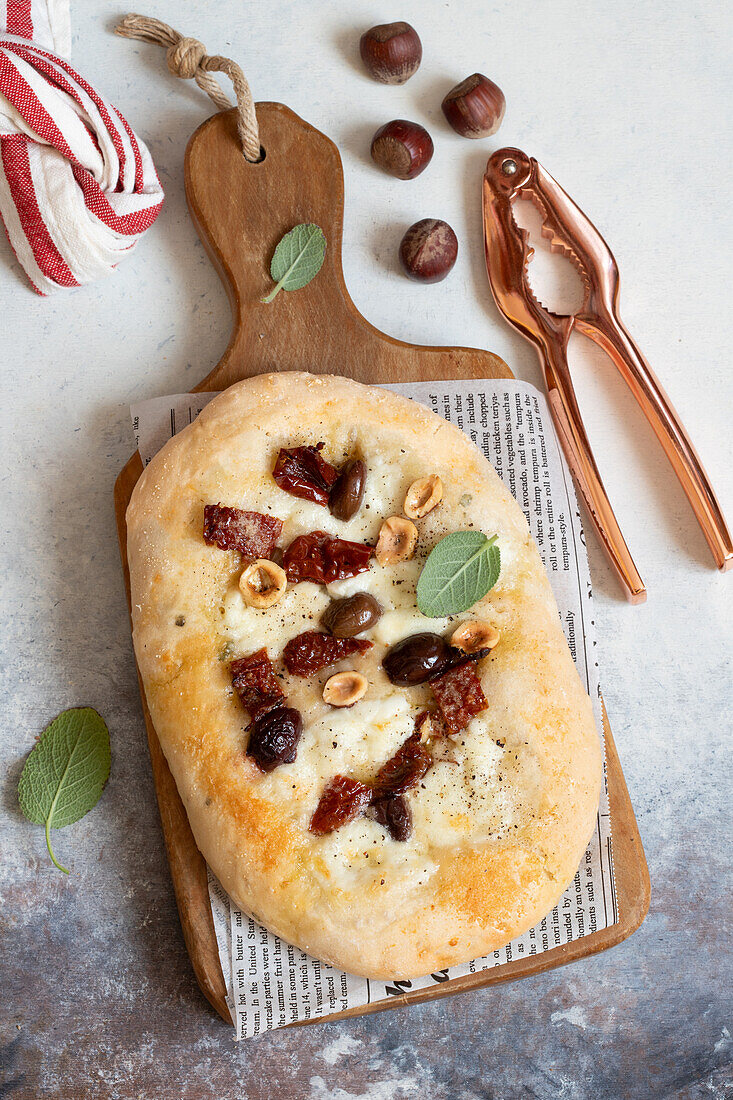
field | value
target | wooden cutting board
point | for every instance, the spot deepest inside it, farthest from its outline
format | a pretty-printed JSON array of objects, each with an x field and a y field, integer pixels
[{"x": 241, "y": 211}]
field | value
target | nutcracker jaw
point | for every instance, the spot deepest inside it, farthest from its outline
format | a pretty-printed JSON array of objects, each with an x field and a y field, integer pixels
[{"x": 511, "y": 174}]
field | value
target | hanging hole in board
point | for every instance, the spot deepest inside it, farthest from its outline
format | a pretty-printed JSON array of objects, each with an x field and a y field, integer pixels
[{"x": 260, "y": 158}]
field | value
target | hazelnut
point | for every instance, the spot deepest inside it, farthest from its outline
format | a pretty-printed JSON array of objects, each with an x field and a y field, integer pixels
[
  {"x": 262, "y": 583},
  {"x": 392, "y": 52},
  {"x": 475, "y": 107},
  {"x": 397, "y": 541},
  {"x": 402, "y": 148},
  {"x": 474, "y": 635},
  {"x": 344, "y": 689},
  {"x": 423, "y": 495},
  {"x": 428, "y": 250}
]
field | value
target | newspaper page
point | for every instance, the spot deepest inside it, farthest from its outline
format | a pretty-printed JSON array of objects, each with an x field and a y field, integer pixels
[{"x": 270, "y": 983}]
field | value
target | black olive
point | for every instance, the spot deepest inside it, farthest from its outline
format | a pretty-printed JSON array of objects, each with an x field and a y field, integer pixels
[
  {"x": 274, "y": 737},
  {"x": 347, "y": 617},
  {"x": 417, "y": 659},
  {"x": 393, "y": 814},
  {"x": 345, "y": 498}
]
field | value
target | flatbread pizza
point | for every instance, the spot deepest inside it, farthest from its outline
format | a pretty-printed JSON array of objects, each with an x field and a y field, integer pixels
[{"x": 391, "y": 791}]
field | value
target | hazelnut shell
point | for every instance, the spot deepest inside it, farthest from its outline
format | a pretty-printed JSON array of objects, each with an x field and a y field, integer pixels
[
  {"x": 402, "y": 148},
  {"x": 428, "y": 250},
  {"x": 475, "y": 107},
  {"x": 391, "y": 52}
]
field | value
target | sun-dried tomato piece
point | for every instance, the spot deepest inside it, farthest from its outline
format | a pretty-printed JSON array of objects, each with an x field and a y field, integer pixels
[
  {"x": 459, "y": 695},
  {"x": 403, "y": 770},
  {"x": 274, "y": 737},
  {"x": 322, "y": 559},
  {"x": 252, "y": 533},
  {"x": 255, "y": 683},
  {"x": 304, "y": 559},
  {"x": 343, "y": 800},
  {"x": 345, "y": 559},
  {"x": 304, "y": 472},
  {"x": 393, "y": 814},
  {"x": 311, "y": 651}
]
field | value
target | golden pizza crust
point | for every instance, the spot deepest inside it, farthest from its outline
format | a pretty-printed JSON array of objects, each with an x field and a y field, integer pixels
[{"x": 499, "y": 828}]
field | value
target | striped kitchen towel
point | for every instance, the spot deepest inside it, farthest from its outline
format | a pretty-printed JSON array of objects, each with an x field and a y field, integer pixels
[{"x": 77, "y": 187}]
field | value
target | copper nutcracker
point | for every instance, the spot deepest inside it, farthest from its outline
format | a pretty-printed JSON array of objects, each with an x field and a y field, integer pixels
[{"x": 511, "y": 174}]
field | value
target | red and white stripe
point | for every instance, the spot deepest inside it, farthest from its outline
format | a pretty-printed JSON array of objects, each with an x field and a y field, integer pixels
[{"x": 77, "y": 187}]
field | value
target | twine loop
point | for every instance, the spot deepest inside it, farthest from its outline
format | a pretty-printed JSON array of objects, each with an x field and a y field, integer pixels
[{"x": 188, "y": 59}]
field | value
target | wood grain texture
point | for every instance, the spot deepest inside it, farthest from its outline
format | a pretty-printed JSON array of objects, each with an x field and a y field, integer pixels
[{"x": 241, "y": 211}]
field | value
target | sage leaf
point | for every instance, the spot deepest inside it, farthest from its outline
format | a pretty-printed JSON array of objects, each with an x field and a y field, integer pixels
[
  {"x": 459, "y": 572},
  {"x": 65, "y": 772},
  {"x": 297, "y": 259}
]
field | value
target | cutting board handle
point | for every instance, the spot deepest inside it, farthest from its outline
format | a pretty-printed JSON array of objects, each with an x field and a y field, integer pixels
[{"x": 241, "y": 211}]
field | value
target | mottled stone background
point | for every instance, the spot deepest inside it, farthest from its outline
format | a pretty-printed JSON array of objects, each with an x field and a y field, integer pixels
[{"x": 626, "y": 105}]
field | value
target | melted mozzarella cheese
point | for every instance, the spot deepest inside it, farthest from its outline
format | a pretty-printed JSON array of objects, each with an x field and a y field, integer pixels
[
  {"x": 249, "y": 628},
  {"x": 353, "y": 740}
]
